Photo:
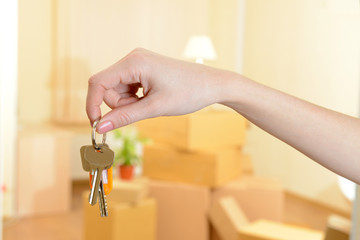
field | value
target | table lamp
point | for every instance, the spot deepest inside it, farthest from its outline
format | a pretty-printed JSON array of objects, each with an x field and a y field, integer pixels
[
  {"x": 347, "y": 188},
  {"x": 200, "y": 47}
]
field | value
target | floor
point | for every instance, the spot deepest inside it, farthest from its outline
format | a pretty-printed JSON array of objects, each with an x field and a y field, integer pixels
[{"x": 69, "y": 226}]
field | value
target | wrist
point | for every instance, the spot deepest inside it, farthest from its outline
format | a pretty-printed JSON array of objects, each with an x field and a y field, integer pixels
[{"x": 233, "y": 89}]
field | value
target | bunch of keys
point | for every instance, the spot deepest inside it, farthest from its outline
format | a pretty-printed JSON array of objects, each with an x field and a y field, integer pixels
[{"x": 97, "y": 159}]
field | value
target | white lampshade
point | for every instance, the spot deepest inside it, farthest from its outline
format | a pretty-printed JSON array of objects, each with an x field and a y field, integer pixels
[
  {"x": 347, "y": 187},
  {"x": 200, "y": 47}
]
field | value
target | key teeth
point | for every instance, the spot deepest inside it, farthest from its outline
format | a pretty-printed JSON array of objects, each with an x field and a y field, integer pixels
[
  {"x": 105, "y": 202},
  {"x": 104, "y": 213},
  {"x": 102, "y": 202}
]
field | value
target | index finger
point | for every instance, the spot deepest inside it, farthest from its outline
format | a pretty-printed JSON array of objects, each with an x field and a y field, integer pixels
[
  {"x": 94, "y": 99},
  {"x": 103, "y": 81}
]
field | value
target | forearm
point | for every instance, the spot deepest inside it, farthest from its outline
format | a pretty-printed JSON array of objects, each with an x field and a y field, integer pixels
[{"x": 330, "y": 138}]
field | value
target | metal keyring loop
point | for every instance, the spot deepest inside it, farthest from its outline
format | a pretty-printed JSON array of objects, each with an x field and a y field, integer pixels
[{"x": 93, "y": 136}]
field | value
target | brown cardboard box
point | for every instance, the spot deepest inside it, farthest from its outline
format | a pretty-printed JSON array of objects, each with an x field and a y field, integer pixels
[
  {"x": 182, "y": 210},
  {"x": 231, "y": 223},
  {"x": 203, "y": 129},
  {"x": 125, "y": 221},
  {"x": 227, "y": 218},
  {"x": 207, "y": 167},
  {"x": 43, "y": 171},
  {"x": 213, "y": 234},
  {"x": 128, "y": 191},
  {"x": 269, "y": 230},
  {"x": 259, "y": 197},
  {"x": 338, "y": 228}
]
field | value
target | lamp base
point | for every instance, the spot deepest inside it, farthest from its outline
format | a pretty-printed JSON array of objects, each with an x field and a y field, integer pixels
[{"x": 199, "y": 60}]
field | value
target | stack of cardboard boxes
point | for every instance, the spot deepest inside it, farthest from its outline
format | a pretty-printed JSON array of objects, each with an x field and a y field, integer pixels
[
  {"x": 193, "y": 162},
  {"x": 202, "y": 148},
  {"x": 198, "y": 185},
  {"x": 190, "y": 156}
]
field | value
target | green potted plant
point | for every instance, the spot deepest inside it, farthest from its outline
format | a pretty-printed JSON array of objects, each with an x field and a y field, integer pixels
[{"x": 129, "y": 152}]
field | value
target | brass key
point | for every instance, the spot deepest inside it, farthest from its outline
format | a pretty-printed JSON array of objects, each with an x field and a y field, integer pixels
[
  {"x": 95, "y": 158},
  {"x": 98, "y": 160}
]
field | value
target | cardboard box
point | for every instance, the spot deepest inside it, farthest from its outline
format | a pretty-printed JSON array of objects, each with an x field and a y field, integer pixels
[
  {"x": 125, "y": 221},
  {"x": 227, "y": 218},
  {"x": 203, "y": 129},
  {"x": 213, "y": 234},
  {"x": 231, "y": 223},
  {"x": 338, "y": 228},
  {"x": 269, "y": 230},
  {"x": 259, "y": 197},
  {"x": 207, "y": 168},
  {"x": 182, "y": 210},
  {"x": 129, "y": 191},
  {"x": 43, "y": 171}
]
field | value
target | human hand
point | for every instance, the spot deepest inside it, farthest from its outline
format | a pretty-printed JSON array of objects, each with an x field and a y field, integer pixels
[{"x": 170, "y": 87}]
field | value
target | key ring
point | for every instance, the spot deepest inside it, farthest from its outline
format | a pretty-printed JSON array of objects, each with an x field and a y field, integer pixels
[{"x": 93, "y": 136}]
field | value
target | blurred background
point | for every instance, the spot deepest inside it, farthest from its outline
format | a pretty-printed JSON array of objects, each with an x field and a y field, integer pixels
[{"x": 49, "y": 49}]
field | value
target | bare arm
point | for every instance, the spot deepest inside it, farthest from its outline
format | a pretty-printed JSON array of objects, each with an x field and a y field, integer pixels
[
  {"x": 330, "y": 138},
  {"x": 173, "y": 87}
]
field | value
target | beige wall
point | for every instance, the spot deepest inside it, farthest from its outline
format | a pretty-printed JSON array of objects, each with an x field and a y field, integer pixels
[
  {"x": 63, "y": 42},
  {"x": 225, "y": 22},
  {"x": 35, "y": 60},
  {"x": 93, "y": 38},
  {"x": 308, "y": 48}
]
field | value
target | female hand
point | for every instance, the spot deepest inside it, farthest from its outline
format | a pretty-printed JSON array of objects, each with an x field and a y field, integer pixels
[
  {"x": 173, "y": 87},
  {"x": 170, "y": 87}
]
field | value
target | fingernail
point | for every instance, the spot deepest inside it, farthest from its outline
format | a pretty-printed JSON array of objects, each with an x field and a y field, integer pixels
[{"x": 105, "y": 127}]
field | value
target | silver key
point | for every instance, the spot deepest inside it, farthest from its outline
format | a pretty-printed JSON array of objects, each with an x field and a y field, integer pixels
[
  {"x": 96, "y": 179},
  {"x": 102, "y": 201}
]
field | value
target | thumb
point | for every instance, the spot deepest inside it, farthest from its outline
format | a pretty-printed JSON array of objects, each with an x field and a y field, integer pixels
[{"x": 125, "y": 115}]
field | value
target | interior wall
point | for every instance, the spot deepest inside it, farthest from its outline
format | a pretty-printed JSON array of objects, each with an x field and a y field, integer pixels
[
  {"x": 91, "y": 39},
  {"x": 308, "y": 48},
  {"x": 61, "y": 43},
  {"x": 224, "y": 26},
  {"x": 35, "y": 61}
]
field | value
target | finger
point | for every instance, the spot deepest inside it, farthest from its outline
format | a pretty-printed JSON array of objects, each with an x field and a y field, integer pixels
[
  {"x": 126, "y": 115},
  {"x": 127, "y": 88},
  {"x": 93, "y": 101},
  {"x": 109, "y": 78},
  {"x": 126, "y": 101},
  {"x": 114, "y": 99}
]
